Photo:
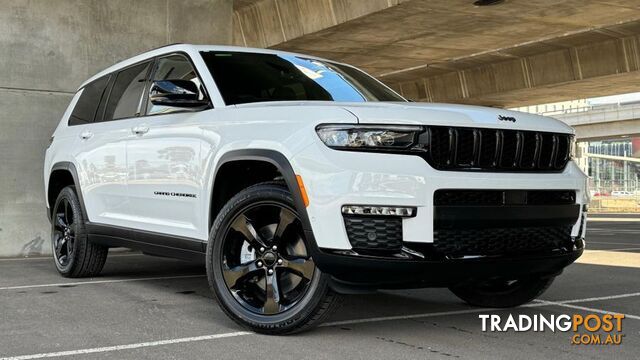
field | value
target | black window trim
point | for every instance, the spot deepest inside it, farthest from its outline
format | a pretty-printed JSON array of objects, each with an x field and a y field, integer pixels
[
  {"x": 150, "y": 79},
  {"x": 145, "y": 90},
  {"x": 98, "y": 118}
]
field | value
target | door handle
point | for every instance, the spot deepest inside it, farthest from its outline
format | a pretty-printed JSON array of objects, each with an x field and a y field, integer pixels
[
  {"x": 86, "y": 135},
  {"x": 140, "y": 129}
]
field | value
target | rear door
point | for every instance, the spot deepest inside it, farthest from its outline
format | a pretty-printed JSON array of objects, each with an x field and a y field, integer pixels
[
  {"x": 165, "y": 168},
  {"x": 103, "y": 159},
  {"x": 85, "y": 144}
]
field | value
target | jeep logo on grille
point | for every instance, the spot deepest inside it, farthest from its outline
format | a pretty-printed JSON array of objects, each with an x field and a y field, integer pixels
[{"x": 506, "y": 118}]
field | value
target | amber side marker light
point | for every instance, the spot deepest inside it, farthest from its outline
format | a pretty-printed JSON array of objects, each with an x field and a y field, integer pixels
[{"x": 303, "y": 191}]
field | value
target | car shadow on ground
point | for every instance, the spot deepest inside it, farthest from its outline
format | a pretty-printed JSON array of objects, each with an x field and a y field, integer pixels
[
  {"x": 385, "y": 303},
  {"x": 374, "y": 304}
]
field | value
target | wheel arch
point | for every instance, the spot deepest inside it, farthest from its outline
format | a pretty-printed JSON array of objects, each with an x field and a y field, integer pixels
[
  {"x": 63, "y": 174},
  {"x": 276, "y": 159}
]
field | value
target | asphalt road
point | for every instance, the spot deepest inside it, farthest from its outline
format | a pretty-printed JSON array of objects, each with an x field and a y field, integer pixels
[{"x": 151, "y": 308}]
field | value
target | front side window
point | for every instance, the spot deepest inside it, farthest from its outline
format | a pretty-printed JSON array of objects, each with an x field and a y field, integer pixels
[
  {"x": 85, "y": 109},
  {"x": 126, "y": 94},
  {"x": 175, "y": 68},
  {"x": 244, "y": 77}
]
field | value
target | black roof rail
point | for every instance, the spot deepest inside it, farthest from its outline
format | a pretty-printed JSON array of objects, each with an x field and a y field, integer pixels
[
  {"x": 156, "y": 48},
  {"x": 164, "y": 46}
]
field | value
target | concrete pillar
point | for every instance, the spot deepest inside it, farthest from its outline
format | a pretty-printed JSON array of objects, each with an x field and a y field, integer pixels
[{"x": 49, "y": 47}]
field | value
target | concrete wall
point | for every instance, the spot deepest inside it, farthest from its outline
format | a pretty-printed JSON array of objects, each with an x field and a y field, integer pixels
[{"x": 49, "y": 47}]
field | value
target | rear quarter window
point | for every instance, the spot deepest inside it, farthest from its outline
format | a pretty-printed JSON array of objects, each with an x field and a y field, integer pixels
[{"x": 85, "y": 110}]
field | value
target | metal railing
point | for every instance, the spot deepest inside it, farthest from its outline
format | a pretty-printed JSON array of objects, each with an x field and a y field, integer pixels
[{"x": 562, "y": 109}]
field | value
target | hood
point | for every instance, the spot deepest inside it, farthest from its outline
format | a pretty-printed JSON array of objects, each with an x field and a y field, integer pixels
[
  {"x": 410, "y": 113},
  {"x": 453, "y": 115}
]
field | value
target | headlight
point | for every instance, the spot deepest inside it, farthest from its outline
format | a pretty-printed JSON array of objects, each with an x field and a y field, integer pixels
[{"x": 370, "y": 137}]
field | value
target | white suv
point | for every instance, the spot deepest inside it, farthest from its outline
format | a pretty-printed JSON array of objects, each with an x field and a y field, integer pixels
[{"x": 298, "y": 179}]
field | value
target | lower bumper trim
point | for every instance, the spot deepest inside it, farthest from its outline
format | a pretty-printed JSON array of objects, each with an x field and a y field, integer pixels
[
  {"x": 465, "y": 217},
  {"x": 383, "y": 272}
]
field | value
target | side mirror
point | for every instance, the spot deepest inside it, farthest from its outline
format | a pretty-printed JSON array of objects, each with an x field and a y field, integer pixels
[{"x": 176, "y": 93}]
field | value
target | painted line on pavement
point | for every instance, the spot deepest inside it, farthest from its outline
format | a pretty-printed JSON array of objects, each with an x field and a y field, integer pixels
[
  {"x": 600, "y": 298},
  {"x": 589, "y": 309},
  {"x": 112, "y": 281},
  {"x": 127, "y": 347},
  {"x": 26, "y": 258},
  {"x": 51, "y": 258},
  {"x": 413, "y": 316},
  {"x": 537, "y": 303},
  {"x": 610, "y": 243}
]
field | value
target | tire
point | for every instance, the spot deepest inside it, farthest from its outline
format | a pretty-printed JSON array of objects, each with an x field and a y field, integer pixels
[
  {"x": 502, "y": 293},
  {"x": 250, "y": 304},
  {"x": 73, "y": 255}
]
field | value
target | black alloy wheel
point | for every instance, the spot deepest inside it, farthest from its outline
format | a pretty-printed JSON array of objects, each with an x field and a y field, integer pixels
[
  {"x": 64, "y": 231},
  {"x": 73, "y": 254},
  {"x": 259, "y": 264},
  {"x": 265, "y": 263}
]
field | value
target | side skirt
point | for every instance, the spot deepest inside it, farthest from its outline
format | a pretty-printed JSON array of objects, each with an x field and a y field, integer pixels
[{"x": 148, "y": 242}]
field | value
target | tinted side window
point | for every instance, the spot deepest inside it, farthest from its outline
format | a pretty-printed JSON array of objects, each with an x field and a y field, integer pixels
[
  {"x": 174, "y": 67},
  {"x": 125, "y": 97},
  {"x": 85, "y": 109}
]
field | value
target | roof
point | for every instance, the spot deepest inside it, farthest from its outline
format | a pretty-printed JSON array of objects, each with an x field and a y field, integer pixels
[{"x": 189, "y": 48}]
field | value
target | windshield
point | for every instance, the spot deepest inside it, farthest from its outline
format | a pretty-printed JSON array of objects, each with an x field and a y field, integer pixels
[{"x": 253, "y": 77}]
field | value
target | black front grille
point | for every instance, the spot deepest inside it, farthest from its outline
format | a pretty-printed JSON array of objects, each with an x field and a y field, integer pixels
[
  {"x": 457, "y": 148},
  {"x": 455, "y": 197},
  {"x": 502, "y": 241},
  {"x": 374, "y": 234},
  {"x": 470, "y": 222}
]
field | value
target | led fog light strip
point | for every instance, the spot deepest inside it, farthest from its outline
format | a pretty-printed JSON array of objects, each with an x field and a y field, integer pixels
[{"x": 378, "y": 210}]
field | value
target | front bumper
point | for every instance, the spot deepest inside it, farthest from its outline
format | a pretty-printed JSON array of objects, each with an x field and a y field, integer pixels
[
  {"x": 336, "y": 178},
  {"x": 524, "y": 251}
]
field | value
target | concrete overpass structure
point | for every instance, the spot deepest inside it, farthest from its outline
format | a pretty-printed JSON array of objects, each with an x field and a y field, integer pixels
[
  {"x": 510, "y": 54},
  {"x": 612, "y": 165},
  {"x": 602, "y": 122}
]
